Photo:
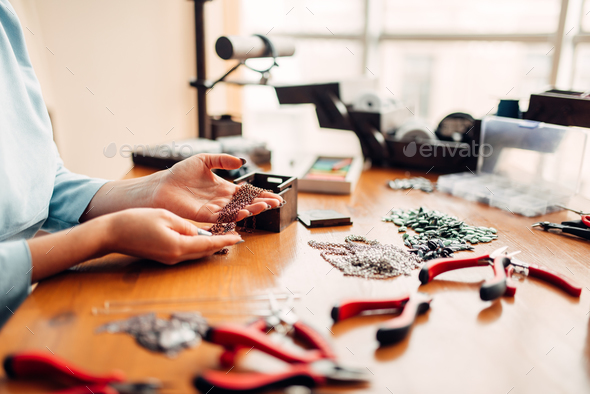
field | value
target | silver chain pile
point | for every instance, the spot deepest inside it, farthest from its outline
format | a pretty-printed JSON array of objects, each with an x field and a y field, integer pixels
[
  {"x": 181, "y": 331},
  {"x": 367, "y": 259}
]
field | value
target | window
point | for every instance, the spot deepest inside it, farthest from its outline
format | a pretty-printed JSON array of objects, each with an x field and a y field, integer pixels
[
  {"x": 581, "y": 73},
  {"x": 437, "y": 57},
  {"x": 471, "y": 17}
]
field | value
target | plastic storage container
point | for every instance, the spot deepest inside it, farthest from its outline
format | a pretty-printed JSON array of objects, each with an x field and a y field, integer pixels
[{"x": 524, "y": 167}]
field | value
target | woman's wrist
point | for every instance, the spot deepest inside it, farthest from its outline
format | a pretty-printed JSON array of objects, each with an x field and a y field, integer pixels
[
  {"x": 84, "y": 242},
  {"x": 124, "y": 194},
  {"x": 105, "y": 229}
]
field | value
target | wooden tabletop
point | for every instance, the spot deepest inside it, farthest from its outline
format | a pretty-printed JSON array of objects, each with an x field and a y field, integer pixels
[{"x": 536, "y": 342}]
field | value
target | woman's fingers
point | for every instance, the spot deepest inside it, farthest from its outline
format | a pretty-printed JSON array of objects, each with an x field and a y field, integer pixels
[
  {"x": 269, "y": 195},
  {"x": 222, "y": 161},
  {"x": 204, "y": 245},
  {"x": 257, "y": 208},
  {"x": 243, "y": 214},
  {"x": 182, "y": 226},
  {"x": 273, "y": 202},
  {"x": 211, "y": 212}
]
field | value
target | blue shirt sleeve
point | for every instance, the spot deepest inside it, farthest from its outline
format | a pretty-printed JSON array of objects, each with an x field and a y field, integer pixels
[
  {"x": 15, "y": 280},
  {"x": 71, "y": 195}
]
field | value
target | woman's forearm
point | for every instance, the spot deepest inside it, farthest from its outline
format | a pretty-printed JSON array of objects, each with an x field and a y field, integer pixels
[
  {"x": 116, "y": 196},
  {"x": 56, "y": 252}
]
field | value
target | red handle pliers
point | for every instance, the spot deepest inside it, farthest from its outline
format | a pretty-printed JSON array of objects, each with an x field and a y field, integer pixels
[
  {"x": 504, "y": 266},
  {"x": 395, "y": 329},
  {"x": 491, "y": 288},
  {"x": 316, "y": 366},
  {"x": 544, "y": 273},
  {"x": 40, "y": 365}
]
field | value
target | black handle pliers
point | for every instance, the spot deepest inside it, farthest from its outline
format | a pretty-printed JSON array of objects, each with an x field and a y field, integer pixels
[{"x": 577, "y": 228}]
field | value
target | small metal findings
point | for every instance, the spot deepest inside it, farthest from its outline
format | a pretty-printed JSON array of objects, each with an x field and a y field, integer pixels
[
  {"x": 181, "y": 331},
  {"x": 417, "y": 183}
]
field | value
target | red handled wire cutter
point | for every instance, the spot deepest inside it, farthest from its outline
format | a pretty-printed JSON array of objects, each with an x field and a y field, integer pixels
[
  {"x": 393, "y": 330},
  {"x": 504, "y": 266},
  {"x": 546, "y": 274},
  {"x": 39, "y": 365},
  {"x": 314, "y": 367}
]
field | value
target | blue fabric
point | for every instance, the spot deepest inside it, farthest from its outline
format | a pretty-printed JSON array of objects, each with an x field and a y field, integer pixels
[{"x": 36, "y": 190}]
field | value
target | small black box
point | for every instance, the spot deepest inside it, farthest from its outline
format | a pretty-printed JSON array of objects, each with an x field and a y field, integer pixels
[
  {"x": 275, "y": 220},
  {"x": 225, "y": 126},
  {"x": 324, "y": 218}
]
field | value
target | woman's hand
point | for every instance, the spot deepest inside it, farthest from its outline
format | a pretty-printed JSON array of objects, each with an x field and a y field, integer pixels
[
  {"x": 160, "y": 235},
  {"x": 189, "y": 189},
  {"x": 155, "y": 234},
  {"x": 192, "y": 191}
]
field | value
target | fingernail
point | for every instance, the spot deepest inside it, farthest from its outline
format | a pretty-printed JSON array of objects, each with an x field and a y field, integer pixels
[
  {"x": 243, "y": 160},
  {"x": 268, "y": 206},
  {"x": 283, "y": 203},
  {"x": 250, "y": 214},
  {"x": 200, "y": 231},
  {"x": 240, "y": 241}
]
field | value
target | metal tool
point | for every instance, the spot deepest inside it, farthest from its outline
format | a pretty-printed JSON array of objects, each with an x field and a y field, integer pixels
[
  {"x": 311, "y": 368},
  {"x": 582, "y": 232},
  {"x": 581, "y": 213},
  {"x": 156, "y": 301},
  {"x": 545, "y": 274},
  {"x": 207, "y": 312},
  {"x": 407, "y": 306},
  {"x": 584, "y": 221},
  {"x": 491, "y": 288},
  {"x": 508, "y": 264},
  {"x": 38, "y": 365}
]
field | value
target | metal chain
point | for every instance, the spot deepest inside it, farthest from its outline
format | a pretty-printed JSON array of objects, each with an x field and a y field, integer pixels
[
  {"x": 368, "y": 259},
  {"x": 226, "y": 221}
]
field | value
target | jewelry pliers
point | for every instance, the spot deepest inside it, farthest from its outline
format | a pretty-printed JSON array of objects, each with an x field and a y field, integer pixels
[
  {"x": 40, "y": 365},
  {"x": 504, "y": 266},
  {"x": 393, "y": 330},
  {"x": 314, "y": 367}
]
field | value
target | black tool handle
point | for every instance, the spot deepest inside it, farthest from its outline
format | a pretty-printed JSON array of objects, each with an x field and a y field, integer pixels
[
  {"x": 495, "y": 287},
  {"x": 575, "y": 223},
  {"x": 397, "y": 328},
  {"x": 580, "y": 232}
]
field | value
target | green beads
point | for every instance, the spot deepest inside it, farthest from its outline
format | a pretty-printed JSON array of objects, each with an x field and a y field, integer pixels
[{"x": 437, "y": 234}]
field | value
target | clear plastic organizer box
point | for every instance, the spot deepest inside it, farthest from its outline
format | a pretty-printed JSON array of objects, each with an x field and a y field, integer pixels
[{"x": 524, "y": 167}]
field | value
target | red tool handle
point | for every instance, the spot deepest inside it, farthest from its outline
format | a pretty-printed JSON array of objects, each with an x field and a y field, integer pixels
[
  {"x": 435, "y": 267},
  {"x": 510, "y": 288},
  {"x": 586, "y": 220},
  {"x": 89, "y": 388},
  {"x": 314, "y": 339},
  {"x": 299, "y": 375},
  {"x": 231, "y": 335},
  {"x": 495, "y": 287},
  {"x": 351, "y": 308},
  {"x": 228, "y": 357},
  {"x": 397, "y": 328},
  {"x": 37, "y": 364},
  {"x": 553, "y": 277}
]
